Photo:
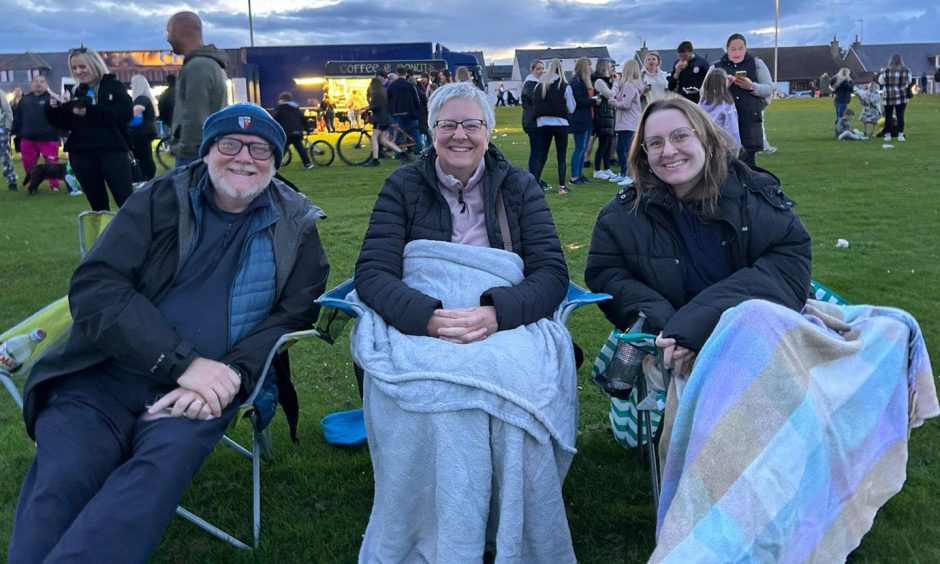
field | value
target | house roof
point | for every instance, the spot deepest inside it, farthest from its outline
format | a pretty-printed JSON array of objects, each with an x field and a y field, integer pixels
[
  {"x": 919, "y": 57},
  {"x": 525, "y": 56},
  {"x": 502, "y": 72},
  {"x": 23, "y": 61}
]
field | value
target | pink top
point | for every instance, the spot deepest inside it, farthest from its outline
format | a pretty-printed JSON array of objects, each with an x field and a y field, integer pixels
[
  {"x": 467, "y": 217},
  {"x": 626, "y": 100}
]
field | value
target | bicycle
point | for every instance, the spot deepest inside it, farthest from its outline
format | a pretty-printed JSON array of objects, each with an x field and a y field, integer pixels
[
  {"x": 355, "y": 145},
  {"x": 321, "y": 153}
]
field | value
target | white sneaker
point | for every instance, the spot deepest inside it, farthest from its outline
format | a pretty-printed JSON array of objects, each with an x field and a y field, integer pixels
[
  {"x": 602, "y": 174},
  {"x": 888, "y": 137},
  {"x": 770, "y": 149},
  {"x": 626, "y": 181},
  {"x": 615, "y": 178},
  {"x": 901, "y": 137}
]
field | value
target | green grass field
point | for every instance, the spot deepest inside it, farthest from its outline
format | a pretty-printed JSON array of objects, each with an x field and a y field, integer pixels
[{"x": 316, "y": 498}]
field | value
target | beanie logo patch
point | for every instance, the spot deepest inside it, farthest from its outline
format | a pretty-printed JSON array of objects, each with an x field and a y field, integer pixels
[{"x": 244, "y": 121}]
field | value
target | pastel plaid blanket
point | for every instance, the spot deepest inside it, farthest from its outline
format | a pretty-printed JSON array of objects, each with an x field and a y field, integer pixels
[{"x": 791, "y": 433}]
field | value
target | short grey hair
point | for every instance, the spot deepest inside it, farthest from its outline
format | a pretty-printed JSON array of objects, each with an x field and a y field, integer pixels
[{"x": 463, "y": 90}]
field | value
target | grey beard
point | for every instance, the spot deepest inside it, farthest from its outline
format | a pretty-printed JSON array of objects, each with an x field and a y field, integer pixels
[{"x": 217, "y": 176}]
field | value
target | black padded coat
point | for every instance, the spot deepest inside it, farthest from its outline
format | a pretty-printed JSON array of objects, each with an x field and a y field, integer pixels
[
  {"x": 410, "y": 206},
  {"x": 635, "y": 257}
]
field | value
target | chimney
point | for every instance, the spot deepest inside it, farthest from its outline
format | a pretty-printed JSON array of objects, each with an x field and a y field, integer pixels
[
  {"x": 856, "y": 44},
  {"x": 834, "y": 49}
]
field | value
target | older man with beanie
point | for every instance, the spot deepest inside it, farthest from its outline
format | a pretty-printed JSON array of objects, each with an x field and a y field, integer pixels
[{"x": 175, "y": 310}]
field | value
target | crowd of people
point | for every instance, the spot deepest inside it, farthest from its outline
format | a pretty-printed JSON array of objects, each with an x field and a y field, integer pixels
[
  {"x": 600, "y": 108},
  {"x": 177, "y": 305},
  {"x": 883, "y": 99}
]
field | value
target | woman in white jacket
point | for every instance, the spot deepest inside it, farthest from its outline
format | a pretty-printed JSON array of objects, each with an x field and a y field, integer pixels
[
  {"x": 654, "y": 78},
  {"x": 627, "y": 93}
]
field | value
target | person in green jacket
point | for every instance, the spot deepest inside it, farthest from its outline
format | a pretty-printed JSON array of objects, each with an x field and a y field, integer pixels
[{"x": 200, "y": 89}]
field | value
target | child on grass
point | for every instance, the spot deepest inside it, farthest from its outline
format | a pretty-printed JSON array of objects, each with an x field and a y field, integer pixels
[
  {"x": 844, "y": 127},
  {"x": 717, "y": 102},
  {"x": 872, "y": 110}
]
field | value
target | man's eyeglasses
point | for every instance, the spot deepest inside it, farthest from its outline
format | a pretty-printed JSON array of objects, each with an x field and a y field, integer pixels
[
  {"x": 679, "y": 138},
  {"x": 469, "y": 125},
  {"x": 231, "y": 147}
]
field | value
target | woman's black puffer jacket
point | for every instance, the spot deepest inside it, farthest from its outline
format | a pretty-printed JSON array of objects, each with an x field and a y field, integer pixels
[
  {"x": 636, "y": 258},
  {"x": 411, "y": 206}
]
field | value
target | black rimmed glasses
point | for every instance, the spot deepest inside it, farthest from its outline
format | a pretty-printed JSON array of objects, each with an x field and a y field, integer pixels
[
  {"x": 469, "y": 125},
  {"x": 231, "y": 147},
  {"x": 679, "y": 138}
]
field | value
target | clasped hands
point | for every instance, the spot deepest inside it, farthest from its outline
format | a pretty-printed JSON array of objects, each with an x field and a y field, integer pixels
[
  {"x": 463, "y": 325},
  {"x": 679, "y": 358},
  {"x": 205, "y": 389}
]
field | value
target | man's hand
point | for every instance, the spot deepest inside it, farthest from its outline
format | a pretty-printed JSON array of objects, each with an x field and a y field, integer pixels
[
  {"x": 679, "y": 359},
  {"x": 181, "y": 402},
  {"x": 680, "y": 66},
  {"x": 465, "y": 325},
  {"x": 215, "y": 382}
]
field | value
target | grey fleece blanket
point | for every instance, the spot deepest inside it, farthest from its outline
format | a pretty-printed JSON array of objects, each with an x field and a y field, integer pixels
[{"x": 470, "y": 443}]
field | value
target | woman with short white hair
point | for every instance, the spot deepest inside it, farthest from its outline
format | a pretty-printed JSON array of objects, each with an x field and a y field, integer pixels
[{"x": 467, "y": 374}]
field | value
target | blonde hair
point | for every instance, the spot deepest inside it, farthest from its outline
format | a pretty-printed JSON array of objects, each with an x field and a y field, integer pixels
[
  {"x": 659, "y": 58},
  {"x": 630, "y": 71},
  {"x": 92, "y": 59},
  {"x": 551, "y": 74},
  {"x": 717, "y": 143},
  {"x": 715, "y": 87},
  {"x": 463, "y": 75},
  {"x": 582, "y": 70}
]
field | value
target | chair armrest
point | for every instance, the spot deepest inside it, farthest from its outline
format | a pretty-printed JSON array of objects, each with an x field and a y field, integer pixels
[
  {"x": 286, "y": 341},
  {"x": 578, "y": 297}
]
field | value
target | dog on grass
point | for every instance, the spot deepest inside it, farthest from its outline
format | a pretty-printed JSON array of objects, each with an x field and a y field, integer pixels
[{"x": 43, "y": 172}]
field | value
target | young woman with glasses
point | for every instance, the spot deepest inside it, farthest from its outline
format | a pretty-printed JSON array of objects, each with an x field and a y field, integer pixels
[
  {"x": 96, "y": 118},
  {"x": 698, "y": 233}
]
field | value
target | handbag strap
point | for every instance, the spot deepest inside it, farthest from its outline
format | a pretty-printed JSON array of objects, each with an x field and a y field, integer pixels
[{"x": 503, "y": 221}]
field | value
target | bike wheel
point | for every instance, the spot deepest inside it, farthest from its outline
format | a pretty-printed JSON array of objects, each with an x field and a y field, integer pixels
[
  {"x": 163, "y": 155},
  {"x": 354, "y": 147},
  {"x": 288, "y": 156},
  {"x": 322, "y": 153}
]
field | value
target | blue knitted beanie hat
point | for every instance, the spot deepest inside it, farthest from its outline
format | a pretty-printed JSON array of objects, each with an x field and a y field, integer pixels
[{"x": 247, "y": 119}]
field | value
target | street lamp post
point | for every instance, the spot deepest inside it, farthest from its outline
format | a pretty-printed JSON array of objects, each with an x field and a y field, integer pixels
[
  {"x": 251, "y": 27},
  {"x": 776, "y": 34}
]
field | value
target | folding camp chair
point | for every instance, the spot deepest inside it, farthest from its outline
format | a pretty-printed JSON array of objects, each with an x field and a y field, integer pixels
[
  {"x": 56, "y": 320},
  {"x": 337, "y": 311},
  {"x": 635, "y": 420}
]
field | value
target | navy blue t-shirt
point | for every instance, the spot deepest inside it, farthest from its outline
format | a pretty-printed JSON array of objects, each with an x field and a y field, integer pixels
[{"x": 704, "y": 249}]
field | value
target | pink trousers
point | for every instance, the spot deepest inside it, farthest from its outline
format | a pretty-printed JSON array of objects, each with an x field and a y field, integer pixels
[{"x": 31, "y": 151}]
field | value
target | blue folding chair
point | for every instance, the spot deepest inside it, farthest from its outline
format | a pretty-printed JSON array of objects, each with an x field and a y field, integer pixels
[{"x": 337, "y": 310}]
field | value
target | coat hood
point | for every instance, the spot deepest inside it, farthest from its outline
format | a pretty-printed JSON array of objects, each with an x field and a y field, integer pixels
[{"x": 208, "y": 51}]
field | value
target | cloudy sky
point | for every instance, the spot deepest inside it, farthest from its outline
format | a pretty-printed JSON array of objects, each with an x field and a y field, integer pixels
[{"x": 494, "y": 26}]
